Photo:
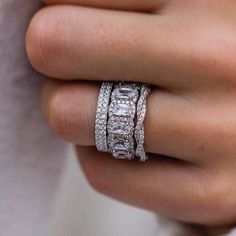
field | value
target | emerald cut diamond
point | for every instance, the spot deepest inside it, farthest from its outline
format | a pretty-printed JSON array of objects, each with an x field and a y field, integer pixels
[
  {"x": 125, "y": 91},
  {"x": 121, "y": 128},
  {"x": 122, "y": 110}
]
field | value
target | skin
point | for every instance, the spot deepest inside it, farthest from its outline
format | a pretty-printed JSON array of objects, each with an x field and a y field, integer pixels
[{"x": 187, "y": 50}]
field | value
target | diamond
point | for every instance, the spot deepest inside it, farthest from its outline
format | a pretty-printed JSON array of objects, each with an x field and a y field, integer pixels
[
  {"x": 119, "y": 146},
  {"x": 125, "y": 91},
  {"x": 120, "y": 149},
  {"x": 121, "y": 128},
  {"x": 122, "y": 155},
  {"x": 122, "y": 110}
]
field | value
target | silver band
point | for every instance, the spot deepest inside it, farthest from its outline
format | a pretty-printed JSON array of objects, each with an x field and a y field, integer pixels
[
  {"x": 101, "y": 116},
  {"x": 139, "y": 129},
  {"x": 122, "y": 111}
]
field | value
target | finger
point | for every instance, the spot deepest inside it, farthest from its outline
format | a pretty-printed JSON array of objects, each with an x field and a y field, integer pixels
[
  {"x": 180, "y": 191},
  {"x": 72, "y": 42},
  {"x": 173, "y": 127},
  {"x": 135, "y": 5}
]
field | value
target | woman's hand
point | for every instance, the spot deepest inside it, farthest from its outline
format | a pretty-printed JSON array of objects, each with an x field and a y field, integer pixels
[{"x": 187, "y": 49}]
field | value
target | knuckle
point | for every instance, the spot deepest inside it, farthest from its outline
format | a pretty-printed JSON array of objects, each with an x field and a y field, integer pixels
[
  {"x": 58, "y": 113},
  {"x": 43, "y": 45},
  {"x": 215, "y": 200},
  {"x": 95, "y": 174},
  {"x": 221, "y": 134},
  {"x": 215, "y": 55}
]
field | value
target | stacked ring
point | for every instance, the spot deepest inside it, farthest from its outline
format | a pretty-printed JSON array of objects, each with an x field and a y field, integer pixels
[{"x": 119, "y": 125}]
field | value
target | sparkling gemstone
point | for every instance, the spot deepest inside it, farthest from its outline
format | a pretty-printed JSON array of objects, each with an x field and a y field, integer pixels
[
  {"x": 125, "y": 91},
  {"x": 120, "y": 145},
  {"x": 122, "y": 155},
  {"x": 122, "y": 110},
  {"x": 121, "y": 128},
  {"x": 120, "y": 149}
]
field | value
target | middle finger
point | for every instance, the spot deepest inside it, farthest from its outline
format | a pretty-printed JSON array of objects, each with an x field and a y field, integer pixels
[{"x": 72, "y": 42}]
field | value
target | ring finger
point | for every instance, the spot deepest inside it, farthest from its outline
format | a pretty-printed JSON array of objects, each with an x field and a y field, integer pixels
[{"x": 171, "y": 125}]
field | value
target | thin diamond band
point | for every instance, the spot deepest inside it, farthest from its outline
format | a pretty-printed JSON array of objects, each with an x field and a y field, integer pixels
[
  {"x": 139, "y": 129},
  {"x": 101, "y": 116}
]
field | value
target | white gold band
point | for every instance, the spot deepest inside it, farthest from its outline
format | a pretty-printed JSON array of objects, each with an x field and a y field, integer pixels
[
  {"x": 139, "y": 129},
  {"x": 101, "y": 116}
]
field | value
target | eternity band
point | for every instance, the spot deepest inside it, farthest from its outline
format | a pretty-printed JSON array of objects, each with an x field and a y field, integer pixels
[
  {"x": 139, "y": 129},
  {"x": 101, "y": 116},
  {"x": 119, "y": 124}
]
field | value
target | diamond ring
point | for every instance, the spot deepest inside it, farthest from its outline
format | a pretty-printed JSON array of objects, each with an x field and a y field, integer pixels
[
  {"x": 119, "y": 125},
  {"x": 122, "y": 112}
]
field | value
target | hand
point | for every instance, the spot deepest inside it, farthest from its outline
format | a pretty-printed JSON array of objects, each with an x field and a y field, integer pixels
[{"x": 187, "y": 49}]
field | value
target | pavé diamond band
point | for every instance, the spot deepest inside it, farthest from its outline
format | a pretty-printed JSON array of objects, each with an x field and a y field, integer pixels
[
  {"x": 102, "y": 116},
  {"x": 139, "y": 129},
  {"x": 119, "y": 126}
]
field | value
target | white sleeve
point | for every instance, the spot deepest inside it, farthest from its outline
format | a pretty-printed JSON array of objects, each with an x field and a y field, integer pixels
[{"x": 31, "y": 158}]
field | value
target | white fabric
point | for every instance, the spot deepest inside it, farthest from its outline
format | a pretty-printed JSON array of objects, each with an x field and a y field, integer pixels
[
  {"x": 39, "y": 194},
  {"x": 31, "y": 157}
]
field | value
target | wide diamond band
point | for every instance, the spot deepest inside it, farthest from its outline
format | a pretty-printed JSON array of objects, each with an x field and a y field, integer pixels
[
  {"x": 119, "y": 125},
  {"x": 122, "y": 111}
]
